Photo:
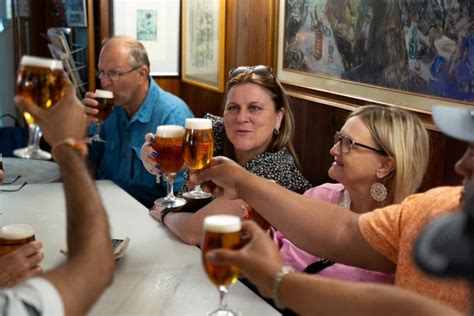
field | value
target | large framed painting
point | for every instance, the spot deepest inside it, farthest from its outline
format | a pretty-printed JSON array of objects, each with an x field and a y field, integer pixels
[
  {"x": 155, "y": 23},
  {"x": 409, "y": 53},
  {"x": 203, "y": 43}
]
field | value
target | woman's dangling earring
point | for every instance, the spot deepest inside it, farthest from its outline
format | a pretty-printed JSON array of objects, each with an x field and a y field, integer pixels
[{"x": 378, "y": 192}]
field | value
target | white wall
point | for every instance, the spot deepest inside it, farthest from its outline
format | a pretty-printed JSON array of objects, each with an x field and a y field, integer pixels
[{"x": 7, "y": 75}]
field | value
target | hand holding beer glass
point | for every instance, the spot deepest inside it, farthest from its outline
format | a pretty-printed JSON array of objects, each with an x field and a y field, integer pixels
[
  {"x": 221, "y": 231},
  {"x": 198, "y": 149},
  {"x": 105, "y": 101},
  {"x": 41, "y": 81},
  {"x": 168, "y": 144}
]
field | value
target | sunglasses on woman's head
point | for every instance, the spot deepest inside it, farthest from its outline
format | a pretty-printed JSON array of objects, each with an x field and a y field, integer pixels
[{"x": 260, "y": 70}]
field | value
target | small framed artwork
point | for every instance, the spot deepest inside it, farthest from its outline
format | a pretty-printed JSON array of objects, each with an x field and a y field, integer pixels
[
  {"x": 155, "y": 23},
  {"x": 383, "y": 52},
  {"x": 203, "y": 43},
  {"x": 76, "y": 13}
]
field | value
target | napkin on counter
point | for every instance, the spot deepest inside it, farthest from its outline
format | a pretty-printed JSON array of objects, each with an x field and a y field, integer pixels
[{"x": 120, "y": 247}]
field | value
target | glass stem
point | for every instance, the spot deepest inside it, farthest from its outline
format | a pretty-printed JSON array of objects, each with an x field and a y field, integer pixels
[
  {"x": 34, "y": 136},
  {"x": 170, "y": 177},
  {"x": 98, "y": 125},
  {"x": 222, "y": 295}
]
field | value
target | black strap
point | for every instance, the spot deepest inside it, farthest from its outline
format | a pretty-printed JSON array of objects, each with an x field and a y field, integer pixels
[
  {"x": 318, "y": 266},
  {"x": 17, "y": 122}
]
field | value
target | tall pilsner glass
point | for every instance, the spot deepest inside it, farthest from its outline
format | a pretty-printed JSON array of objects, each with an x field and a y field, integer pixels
[
  {"x": 221, "y": 231},
  {"x": 41, "y": 81},
  {"x": 106, "y": 102},
  {"x": 198, "y": 149},
  {"x": 168, "y": 144}
]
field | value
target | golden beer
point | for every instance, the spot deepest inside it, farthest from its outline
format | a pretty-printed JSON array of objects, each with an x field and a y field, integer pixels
[
  {"x": 169, "y": 146},
  {"x": 198, "y": 144},
  {"x": 221, "y": 231},
  {"x": 40, "y": 80},
  {"x": 106, "y": 103},
  {"x": 14, "y": 236}
]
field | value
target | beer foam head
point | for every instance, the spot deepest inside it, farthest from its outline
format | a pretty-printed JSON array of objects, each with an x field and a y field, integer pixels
[
  {"x": 222, "y": 223},
  {"x": 41, "y": 62},
  {"x": 104, "y": 94},
  {"x": 198, "y": 123},
  {"x": 16, "y": 231},
  {"x": 169, "y": 131}
]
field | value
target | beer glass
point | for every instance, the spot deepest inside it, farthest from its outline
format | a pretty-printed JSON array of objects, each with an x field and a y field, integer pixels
[
  {"x": 41, "y": 81},
  {"x": 169, "y": 146},
  {"x": 106, "y": 103},
  {"x": 198, "y": 149},
  {"x": 221, "y": 231},
  {"x": 14, "y": 236}
]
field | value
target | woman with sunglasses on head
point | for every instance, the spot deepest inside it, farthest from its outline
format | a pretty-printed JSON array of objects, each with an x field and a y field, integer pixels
[
  {"x": 380, "y": 157},
  {"x": 256, "y": 131}
]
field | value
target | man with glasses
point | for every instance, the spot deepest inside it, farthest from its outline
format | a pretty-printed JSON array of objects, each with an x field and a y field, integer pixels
[{"x": 141, "y": 105}]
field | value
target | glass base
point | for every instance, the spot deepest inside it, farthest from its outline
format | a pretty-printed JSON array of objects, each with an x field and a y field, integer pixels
[
  {"x": 95, "y": 138},
  {"x": 32, "y": 153},
  {"x": 223, "y": 312},
  {"x": 196, "y": 195},
  {"x": 169, "y": 202}
]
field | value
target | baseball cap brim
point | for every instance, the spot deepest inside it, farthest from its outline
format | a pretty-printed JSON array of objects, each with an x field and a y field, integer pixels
[{"x": 457, "y": 122}]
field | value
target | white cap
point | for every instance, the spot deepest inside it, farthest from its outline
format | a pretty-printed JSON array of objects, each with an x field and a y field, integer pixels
[
  {"x": 16, "y": 231},
  {"x": 222, "y": 223},
  {"x": 104, "y": 94},
  {"x": 198, "y": 123},
  {"x": 169, "y": 131},
  {"x": 41, "y": 62}
]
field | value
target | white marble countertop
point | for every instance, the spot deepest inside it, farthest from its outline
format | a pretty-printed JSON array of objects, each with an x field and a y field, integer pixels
[{"x": 159, "y": 275}]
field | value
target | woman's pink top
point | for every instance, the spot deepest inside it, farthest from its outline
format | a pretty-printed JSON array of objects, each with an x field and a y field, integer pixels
[{"x": 299, "y": 259}]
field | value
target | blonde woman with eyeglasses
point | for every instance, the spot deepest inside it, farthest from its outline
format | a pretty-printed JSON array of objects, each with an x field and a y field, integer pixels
[
  {"x": 380, "y": 157},
  {"x": 256, "y": 131}
]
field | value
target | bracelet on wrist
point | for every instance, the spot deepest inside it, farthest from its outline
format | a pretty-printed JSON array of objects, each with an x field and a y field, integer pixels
[
  {"x": 285, "y": 270},
  {"x": 79, "y": 146},
  {"x": 165, "y": 212}
]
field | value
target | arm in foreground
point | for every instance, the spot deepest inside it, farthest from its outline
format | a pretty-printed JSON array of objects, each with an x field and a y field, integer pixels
[
  {"x": 89, "y": 269},
  {"x": 320, "y": 228},
  {"x": 259, "y": 261}
]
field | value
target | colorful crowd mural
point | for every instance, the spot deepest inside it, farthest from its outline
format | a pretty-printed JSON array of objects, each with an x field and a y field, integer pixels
[{"x": 423, "y": 46}]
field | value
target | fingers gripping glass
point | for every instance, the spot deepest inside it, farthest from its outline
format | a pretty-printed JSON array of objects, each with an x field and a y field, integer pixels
[
  {"x": 347, "y": 144},
  {"x": 113, "y": 75},
  {"x": 260, "y": 70}
]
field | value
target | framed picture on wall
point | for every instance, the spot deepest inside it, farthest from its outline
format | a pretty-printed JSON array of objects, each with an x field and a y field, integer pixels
[
  {"x": 203, "y": 43},
  {"x": 410, "y": 55},
  {"x": 76, "y": 13},
  {"x": 155, "y": 23}
]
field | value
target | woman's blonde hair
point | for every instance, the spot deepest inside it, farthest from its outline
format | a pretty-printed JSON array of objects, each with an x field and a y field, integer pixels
[
  {"x": 284, "y": 137},
  {"x": 402, "y": 135}
]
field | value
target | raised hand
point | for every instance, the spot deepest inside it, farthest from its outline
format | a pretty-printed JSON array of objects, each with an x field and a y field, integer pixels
[
  {"x": 65, "y": 119},
  {"x": 258, "y": 260},
  {"x": 90, "y": 108}
]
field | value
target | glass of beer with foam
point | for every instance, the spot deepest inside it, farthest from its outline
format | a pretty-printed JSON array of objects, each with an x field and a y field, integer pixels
[
  {"x": 221, "y": 231},
  {"x": 106, "y": 102},
  {"x": 169, "y": 146},
  {"x": 42, "y": 82},
  {"x": 198, "y": 149},
  {"x": 14, "y": 236}
]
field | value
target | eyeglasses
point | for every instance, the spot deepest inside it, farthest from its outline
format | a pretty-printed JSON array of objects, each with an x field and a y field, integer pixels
[
  {"x": 260, "y": 70},
  {"x": 347, "y": 144},
  {"x": 113, "y": 75}
]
